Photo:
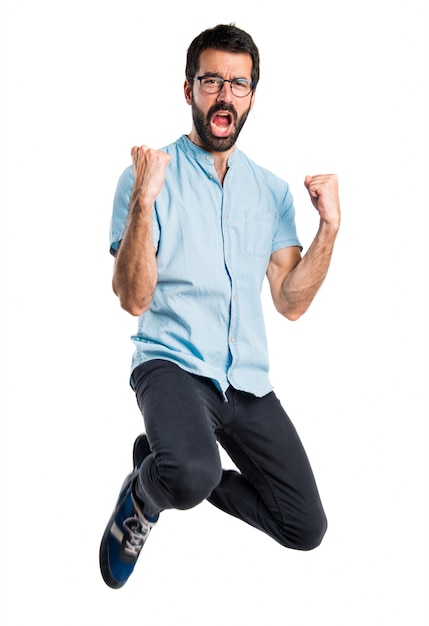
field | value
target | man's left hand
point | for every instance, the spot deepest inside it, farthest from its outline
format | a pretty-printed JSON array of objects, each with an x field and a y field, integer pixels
[{"x": 323, "y": 191}]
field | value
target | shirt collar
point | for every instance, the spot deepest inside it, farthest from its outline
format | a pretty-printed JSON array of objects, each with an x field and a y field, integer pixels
[{"x": 199, "y": 153}]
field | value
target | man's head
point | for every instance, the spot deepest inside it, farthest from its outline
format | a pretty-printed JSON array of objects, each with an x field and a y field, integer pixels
[
  {"x": 222, "y": 71},
  {"x": 225, "y": 37}
]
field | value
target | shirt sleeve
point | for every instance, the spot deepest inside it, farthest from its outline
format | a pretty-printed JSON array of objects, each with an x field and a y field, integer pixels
[
  {"x": 286, "y": 235},
  {"x": 120, "y": 211}
]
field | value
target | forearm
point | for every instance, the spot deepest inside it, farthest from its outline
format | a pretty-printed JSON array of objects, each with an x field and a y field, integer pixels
[
  {"x": 302, "y": 284},
  {"x": 135, "y": 272}
]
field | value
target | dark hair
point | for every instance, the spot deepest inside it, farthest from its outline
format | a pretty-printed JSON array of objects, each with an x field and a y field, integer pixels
[{"x": 222, "y": 37}]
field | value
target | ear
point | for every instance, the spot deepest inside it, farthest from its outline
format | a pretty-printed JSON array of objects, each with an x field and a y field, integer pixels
[
  {"x": 252, "y": 99},
  {"x": 187, "y": 87}
]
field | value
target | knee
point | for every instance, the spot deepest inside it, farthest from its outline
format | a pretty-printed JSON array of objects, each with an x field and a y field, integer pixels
[
  {"x": 314, "y": 532},
  {"x": 311, "y": 532},
  {"x": 192, "y": 482},
  {"x": 304, "y": 534}
]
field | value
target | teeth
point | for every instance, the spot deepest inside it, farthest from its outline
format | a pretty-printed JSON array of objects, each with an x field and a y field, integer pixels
[{"x": 221, "y": 128}]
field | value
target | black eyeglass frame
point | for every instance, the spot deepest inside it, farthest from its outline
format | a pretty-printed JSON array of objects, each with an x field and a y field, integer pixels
[{"x": 222, "y": 81}]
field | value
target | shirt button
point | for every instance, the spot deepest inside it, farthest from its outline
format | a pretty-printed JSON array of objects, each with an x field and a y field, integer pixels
[
  {"x": 232, "y": 338},
  {"x": 235, "y": 298},
  {"x": 207, "y": 158}
]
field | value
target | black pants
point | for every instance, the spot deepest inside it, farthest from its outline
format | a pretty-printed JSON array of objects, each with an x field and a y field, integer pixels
[{"x": 185, "y": 416}]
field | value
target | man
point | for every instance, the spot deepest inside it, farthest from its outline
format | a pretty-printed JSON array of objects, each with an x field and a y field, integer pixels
[{"x": 196, "y": 227}]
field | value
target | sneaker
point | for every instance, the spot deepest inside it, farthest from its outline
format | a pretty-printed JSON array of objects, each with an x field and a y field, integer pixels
[
  {"x": 141, "y": 450},
  {"x": 127, "y": 529}
]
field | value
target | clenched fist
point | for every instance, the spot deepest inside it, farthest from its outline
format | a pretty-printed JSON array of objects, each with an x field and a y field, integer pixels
[
  {"x": 323, "y": 191},
  {"x": 149, "y": 167}
]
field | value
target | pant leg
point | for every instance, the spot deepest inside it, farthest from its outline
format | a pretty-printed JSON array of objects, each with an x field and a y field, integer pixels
[
  {"x": 275, "y": 490},
  {"x": 184, "y": 465}
]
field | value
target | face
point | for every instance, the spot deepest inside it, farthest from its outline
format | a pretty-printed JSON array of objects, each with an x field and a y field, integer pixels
[{"x": 218, "y": 118}]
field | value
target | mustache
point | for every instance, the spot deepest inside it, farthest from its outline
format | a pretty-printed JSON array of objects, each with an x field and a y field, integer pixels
[{"x": 219, "y": 106}]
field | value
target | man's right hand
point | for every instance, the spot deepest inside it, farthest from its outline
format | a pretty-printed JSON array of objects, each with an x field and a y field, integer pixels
[{"x": 149, "y": 167}]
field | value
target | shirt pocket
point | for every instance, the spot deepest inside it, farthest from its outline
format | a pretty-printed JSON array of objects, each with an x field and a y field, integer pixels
[{"x": 259, "y": 232}]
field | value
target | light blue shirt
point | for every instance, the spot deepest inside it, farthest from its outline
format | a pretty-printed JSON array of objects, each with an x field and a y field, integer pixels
[{"x": 213, "y": 246}]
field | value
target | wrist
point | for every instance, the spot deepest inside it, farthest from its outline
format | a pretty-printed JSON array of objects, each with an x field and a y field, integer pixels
[
  {"x": 329, "y": 228},
  {"x": 141, "y": 203}
]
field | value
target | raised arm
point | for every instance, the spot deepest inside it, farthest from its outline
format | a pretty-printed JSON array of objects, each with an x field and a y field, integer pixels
[
  {"x": 294, "y": 281},
  {"x": 135, "y": 273}
]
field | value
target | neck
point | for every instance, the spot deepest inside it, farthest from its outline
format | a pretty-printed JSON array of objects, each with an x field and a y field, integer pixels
[
  {"x": 221, "y": 164},
  {"x": 220, "y": 158}
]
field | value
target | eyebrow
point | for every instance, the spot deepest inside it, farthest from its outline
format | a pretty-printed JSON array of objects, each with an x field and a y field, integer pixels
[{"x": 219, "y": 76}]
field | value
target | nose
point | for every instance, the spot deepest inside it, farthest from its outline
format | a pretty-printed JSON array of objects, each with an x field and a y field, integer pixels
[{"x": 225, "y": 94}]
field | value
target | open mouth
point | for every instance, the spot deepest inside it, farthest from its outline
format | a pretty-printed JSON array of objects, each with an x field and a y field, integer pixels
[{"x": 222, "y": 123}]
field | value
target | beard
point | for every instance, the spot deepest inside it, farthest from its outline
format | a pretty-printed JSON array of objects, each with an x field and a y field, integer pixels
[{"x": 204, "y": 131}]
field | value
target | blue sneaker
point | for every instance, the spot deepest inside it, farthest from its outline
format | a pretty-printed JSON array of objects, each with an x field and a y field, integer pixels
[{"x": 127, "y": 530}]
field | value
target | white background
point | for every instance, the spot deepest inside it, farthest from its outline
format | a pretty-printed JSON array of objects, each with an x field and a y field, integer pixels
[{"x": 344, "y": 88}]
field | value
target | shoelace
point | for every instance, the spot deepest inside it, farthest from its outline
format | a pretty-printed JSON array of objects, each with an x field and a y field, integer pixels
[{"x": 135, "y": 534}]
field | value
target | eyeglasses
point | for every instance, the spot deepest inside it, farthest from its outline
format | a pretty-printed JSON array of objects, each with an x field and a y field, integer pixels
[{"x": 211, "y": 83}]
